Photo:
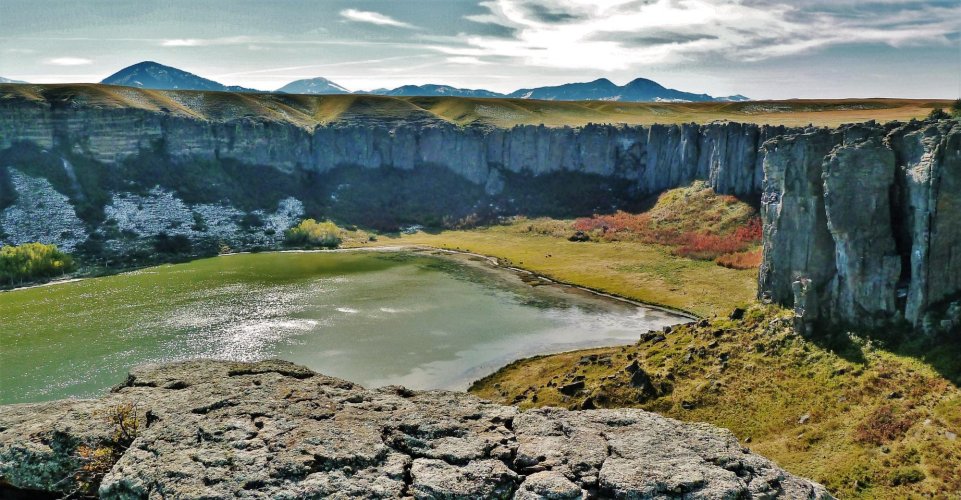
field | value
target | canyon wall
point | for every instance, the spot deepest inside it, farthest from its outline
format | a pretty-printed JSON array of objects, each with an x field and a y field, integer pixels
[
  {"x": 862, "y": 224},
  {"x": 655, "y": 157}
]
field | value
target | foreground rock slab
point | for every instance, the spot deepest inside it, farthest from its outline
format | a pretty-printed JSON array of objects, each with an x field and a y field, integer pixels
[{"x": 273, "y": 429}]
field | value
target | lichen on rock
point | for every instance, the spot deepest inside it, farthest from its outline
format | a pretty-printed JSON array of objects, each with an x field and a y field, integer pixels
[{"x": 272, "y": 429}]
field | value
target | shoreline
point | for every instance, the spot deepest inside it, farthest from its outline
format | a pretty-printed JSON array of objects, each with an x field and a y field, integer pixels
[{"x": 491, "y": 260}]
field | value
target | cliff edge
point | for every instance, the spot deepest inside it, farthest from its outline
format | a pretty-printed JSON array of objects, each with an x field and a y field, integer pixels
[{"x": 272, "y": 429}]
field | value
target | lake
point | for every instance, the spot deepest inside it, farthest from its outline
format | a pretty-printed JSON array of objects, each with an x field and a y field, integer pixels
[{"x": 376, "y": 318}]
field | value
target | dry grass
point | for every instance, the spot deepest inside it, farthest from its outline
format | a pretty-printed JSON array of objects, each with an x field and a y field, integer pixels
[
  {"x": 310, "y": 110},
  {"x": 640, "y": 271},
  {"x": 665, "y": 256},
  {"x": 867, "y": 422}
]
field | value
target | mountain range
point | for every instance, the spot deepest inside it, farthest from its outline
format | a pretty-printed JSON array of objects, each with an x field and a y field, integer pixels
[{"x": 152, "y": 75}]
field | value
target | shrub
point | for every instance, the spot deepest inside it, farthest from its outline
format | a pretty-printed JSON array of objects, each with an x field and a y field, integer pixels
[
  {"x": 886, "y": 424},
  {"x": 750, "y": 259},
  {"x": 177, "y": 243},
  {"x": 956, "y": 108},
  {"x": 938, "y": 114},
  {"x": 312, "y": 233},
  {"x": 906, "y": 475},
  {"x": 32, "y": 261},
  {"x": 96, "y": 461}
]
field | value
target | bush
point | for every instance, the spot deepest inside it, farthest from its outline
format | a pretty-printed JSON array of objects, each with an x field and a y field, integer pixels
[
  {"x": 96, "y": 461},
  {"x": 956, "y": 108},
  {"x": 938, "y": 114},
  {"x": 177, "y": 243},
  {"x": 312, "y": 233},
  {"x": 31, "y": 261},
  {"x": 906, "y": 475},
  {"x": 729, "y": 248},
  {"x": 741, "y": 260},
  {"x": 886, "y": 424}
]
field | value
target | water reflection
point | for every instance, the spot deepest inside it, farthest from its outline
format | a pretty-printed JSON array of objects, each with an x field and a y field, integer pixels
[{"x": 375, "y": 319}]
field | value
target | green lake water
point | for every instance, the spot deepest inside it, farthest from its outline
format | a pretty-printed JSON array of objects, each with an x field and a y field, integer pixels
[{"x": 376, "y": 318}]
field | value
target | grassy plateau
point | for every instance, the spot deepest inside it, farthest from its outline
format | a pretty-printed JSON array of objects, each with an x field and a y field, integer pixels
[{"x": 311, "y": 110}]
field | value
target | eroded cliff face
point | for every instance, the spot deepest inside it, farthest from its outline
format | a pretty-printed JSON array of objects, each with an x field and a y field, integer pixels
[
  {"x": 272, "y": 429},
  {"x": 656, "y": 157},
  {"x": 861, "y": 223},
  {"x": 862, "y": 227}
]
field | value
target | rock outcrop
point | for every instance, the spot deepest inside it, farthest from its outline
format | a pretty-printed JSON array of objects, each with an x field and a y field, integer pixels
[
  {"x": 862, "y": 226},
  {"x": 212, "y": 429}
]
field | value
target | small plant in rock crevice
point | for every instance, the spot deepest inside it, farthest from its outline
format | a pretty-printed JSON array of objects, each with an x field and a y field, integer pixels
[{"x": 97, "y": 460}]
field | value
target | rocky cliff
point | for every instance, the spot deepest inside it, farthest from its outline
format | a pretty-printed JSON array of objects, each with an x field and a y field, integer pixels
[
  {"x": 208, "y": 429},
  {"x": 862, "y": 225},
  {"x": 861, "y": 222}
]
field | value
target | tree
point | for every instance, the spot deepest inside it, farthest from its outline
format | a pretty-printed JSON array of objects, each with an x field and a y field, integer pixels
[
  {"x": 956, "y": 108},
  {"x": 30, "y": 261},
  {"x": 312, "y": 233},
  {"x": 177, "y": 243}
]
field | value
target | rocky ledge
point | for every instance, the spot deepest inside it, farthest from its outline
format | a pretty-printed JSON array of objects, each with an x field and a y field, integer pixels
[{"x": 273, "y": 429}]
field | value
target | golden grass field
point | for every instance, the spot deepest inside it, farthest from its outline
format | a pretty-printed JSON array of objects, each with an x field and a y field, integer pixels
[{"x": 312, "y": 110}]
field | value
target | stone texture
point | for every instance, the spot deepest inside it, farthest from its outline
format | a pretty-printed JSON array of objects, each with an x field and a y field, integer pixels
[
  {"x": 858, "y": 177},
  {"x": 656, "y": 157},
  {"x": 273, "y": 429},
  {"x": 929, "y": 177},
  {"x": 862, "y": 226}
]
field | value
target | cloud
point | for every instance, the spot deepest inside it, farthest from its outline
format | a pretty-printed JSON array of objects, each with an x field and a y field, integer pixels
[
  {"x": 466, "y": 60},
  {"x": 207, "y": 42},
  {"x": 613, "y": 35},
  {"x": 68, "y": 61},
  {"x": 364, "y": 16},
  {"x": 182, "y": 42}
]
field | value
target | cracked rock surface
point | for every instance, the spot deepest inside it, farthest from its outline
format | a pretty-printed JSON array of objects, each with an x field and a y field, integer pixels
[{"x": 273, "y": 429}]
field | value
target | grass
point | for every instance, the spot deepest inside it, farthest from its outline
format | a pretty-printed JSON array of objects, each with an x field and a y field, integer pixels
[
  {"x": 664, "y": 256},
  {"x": 640, "y": 271},
  {"x": 694, "y": 221},
  {"x": 866, "y": 421},
  {"x": 308, "y": 111}
]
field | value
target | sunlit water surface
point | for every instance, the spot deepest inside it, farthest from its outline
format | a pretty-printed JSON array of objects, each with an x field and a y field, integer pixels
[{"x": 375, "y": 318}]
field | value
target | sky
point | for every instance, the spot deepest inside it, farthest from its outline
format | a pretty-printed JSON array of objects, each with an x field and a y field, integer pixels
[{"x": 765, "y": 49}]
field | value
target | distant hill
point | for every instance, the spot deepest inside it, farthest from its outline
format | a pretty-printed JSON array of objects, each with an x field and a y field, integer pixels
[
  {"x": 7, "y": 80},
  {"x": 151, "y": 75},
  {"x": 733, "y": 98},
  {"x": 431, "y": 90},
  {"x": 602, "y": 89},
  {"x": 313, "y": 86}
]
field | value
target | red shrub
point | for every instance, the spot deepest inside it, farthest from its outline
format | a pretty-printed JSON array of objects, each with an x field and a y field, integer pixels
[
  {"x": 751, "y": 232},
  {"x": 693, "y": 244},
  {"x": 886, "y": 424},
  {"x": 708, "y": 246},
  {"x": 741, "y": 260}
]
